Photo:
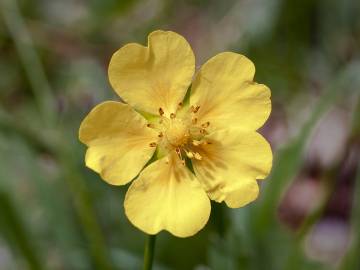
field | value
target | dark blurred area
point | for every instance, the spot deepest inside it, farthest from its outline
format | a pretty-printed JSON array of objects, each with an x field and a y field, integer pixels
[{"x": 57, "y": 214}]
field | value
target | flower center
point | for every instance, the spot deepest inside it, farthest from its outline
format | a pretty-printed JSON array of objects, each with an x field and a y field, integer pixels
[
  {"x": 177, "y": 132},
  {"x": 184, "y": 134}
]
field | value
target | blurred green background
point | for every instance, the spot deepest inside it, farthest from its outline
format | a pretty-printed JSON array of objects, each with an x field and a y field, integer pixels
[{"x": 57, "y": 214}]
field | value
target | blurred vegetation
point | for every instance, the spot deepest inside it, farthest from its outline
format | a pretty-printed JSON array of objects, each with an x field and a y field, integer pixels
[{"x": 56, "y": 214}]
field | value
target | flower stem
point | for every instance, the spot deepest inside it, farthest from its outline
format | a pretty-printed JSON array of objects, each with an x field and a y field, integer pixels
[{"x": 149, "y": 252}]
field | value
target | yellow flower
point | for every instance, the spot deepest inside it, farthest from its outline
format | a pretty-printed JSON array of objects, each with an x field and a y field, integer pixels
[{"x": 206, "y": 145}]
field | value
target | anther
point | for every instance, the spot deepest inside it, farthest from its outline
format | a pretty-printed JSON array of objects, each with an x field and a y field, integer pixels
[
  {"x": 196, "y": 143},
  {"x": 178, "y": 152},
  {"x": 180, "y": 104},
  {"x": 160, "y": 135},
  {"x": 197, "y": 156},
  {"x": 194, "y": 121},
  {"x": 172, "y": 115},
  {"x": 195, "y": 109},
  {"x": 205, "y": 125},
  {"x": 153, "y": 144},
  {"x": 202, "y": 131},
  {"x": 161, "y": 111},
  {"x": 190, "y": 154},
  {"x": 150, "y": 125}
]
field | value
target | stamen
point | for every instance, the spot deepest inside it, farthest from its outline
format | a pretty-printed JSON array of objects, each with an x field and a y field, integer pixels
[
  {"x": 160, "y": 135},
  {"x": 178, "y": 152},
  {"x": 153, "y": 144},
  {"x": 202, "y": 142},
  {"x": 197, "y": 156},
  {"x": 205, "y": 125},
  {"x": 172, "y": 115},
  {"x": 195, "y": 109},
  {"x": 161, "y": 111},
  {"x": 194, "y": 121},
  {"x": 180, "y": 104},
  {"x": 196, "y": 143},
  {"x": 203, "y": 131},
  {"x": 190, "y": 154},
  {"x": 155, "y": 126}
]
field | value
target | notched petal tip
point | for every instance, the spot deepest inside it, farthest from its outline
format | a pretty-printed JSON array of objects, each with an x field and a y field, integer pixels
[
  {"x": 153, "y": 76},
  {"x": 242, "y": 103},
  {"x": 232, "y": 164},
  {"x": 235, "y": 64},
  {"x": 159, "y": 200}
]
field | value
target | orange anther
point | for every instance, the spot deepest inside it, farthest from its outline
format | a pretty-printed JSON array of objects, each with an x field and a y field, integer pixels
[{"x": 161, "y": 111}]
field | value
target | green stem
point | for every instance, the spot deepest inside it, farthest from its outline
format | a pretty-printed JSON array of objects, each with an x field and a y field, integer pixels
[{"x": 149, "y": 252}]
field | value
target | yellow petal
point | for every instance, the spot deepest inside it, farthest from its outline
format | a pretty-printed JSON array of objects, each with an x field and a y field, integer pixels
[
  {"x": 227, "y": 97},
  {"x": 118, "y": 141},
  {"x": 156, "y": 76},
  {"x": 231, "y": 164},
  {"x": 167, "y": 196}
]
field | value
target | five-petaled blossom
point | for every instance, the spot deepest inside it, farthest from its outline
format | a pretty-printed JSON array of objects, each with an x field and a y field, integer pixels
[{"x": 205, "y": 143}]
